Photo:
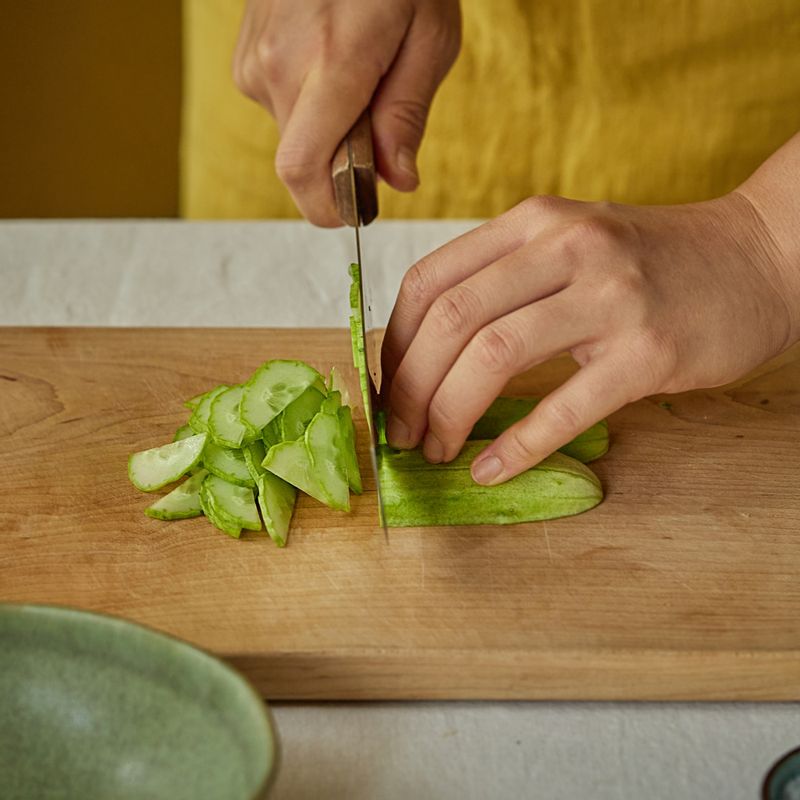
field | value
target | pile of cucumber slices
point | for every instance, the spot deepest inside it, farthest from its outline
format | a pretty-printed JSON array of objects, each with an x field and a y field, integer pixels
[{"x": 248, "y": 449}]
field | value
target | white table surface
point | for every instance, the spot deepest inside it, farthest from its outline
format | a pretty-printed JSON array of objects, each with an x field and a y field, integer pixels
[{"x": 289, "y": 274}]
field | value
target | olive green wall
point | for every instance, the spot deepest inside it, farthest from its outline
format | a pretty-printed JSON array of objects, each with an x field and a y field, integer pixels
[{"x": 89, "y": 108}]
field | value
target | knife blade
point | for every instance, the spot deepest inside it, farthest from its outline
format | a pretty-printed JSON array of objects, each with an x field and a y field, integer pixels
[{"x": 354, "y": 182}]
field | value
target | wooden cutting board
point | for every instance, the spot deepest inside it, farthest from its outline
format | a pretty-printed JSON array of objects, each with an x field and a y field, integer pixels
[{"x": 684, "y": 583}]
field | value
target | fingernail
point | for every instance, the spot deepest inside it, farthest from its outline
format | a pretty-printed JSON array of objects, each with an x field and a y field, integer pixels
[
  {"x": 407, "y": 162},
  {"x": 397, "y": 433},
  {"x": 487, "y": 470},
  {"x": 433, "y": 449}
]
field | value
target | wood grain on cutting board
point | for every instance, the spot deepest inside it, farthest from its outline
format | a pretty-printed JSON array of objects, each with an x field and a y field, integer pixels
[{"x": 684, "y": 583}]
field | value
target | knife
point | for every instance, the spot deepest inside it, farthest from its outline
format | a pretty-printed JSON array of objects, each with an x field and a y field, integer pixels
[{"x": 354, "y": 184}]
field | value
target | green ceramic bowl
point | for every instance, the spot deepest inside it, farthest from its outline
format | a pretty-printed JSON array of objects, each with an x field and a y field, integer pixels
[{"x": 95, "y": 707}]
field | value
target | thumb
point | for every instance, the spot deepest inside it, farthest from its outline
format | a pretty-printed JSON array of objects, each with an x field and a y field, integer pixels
[{"x": 401, "y": 104}]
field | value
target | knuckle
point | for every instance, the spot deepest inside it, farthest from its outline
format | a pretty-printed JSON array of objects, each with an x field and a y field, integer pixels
[
  {"x": 294, "y": 167},
  {"x": 516, "y": 447},
  {"x": 246, "y": 76},
  {"x": 498, "y": 348},
  {"x": 418, "y": 284},
  {"x": 596, "y": 233},
  {"x": 540, "y": 204},
  {"x": 559, "y": 415},
  {"x": 270, "y": 59},
  {"x": 454, "y": 312},
  {"x": 412, "y": 114},
  {"x": 442, "y": 418}
]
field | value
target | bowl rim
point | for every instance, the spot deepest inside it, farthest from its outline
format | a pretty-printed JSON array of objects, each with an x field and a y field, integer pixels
[{"x": 56, "y": 610}]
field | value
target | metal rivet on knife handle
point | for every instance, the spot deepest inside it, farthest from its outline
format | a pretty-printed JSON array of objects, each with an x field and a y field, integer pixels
[{"x": 360, "y": 137}]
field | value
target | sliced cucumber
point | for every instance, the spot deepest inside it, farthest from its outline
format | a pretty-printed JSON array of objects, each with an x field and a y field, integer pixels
[
  {"x": 295, "y": 417},
  {"x": 215, "y": 517},
  {"x": 348, "y": 439},
  {"x": 224, "y": 424},
  {"x": 195, "y": 401},
  {"x": 184, "y": 432},
  {"x": 336, "y": 384},
  {"x": 227, "y": 464},
  {"x": 232, "y": 504},
  {"x": 332, "y": 403},
  {"x": 182, "y": 502},
  {"x": 324, "y": 444},
  {"x": 199, "y": 418},
  {"x": 273, "y": 386},
  {"x": 151, "y": 469},
  {"x": 271, "y": 433},
  {"x": 292, "y": 462},
  {"x": 254, "y": 454},
  {"x": 276, "y": 499}
]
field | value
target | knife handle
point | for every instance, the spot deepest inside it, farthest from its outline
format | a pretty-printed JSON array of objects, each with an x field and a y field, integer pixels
[{"x": 360, "y": 138}]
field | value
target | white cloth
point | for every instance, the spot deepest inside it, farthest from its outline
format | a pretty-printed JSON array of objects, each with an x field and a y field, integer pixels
[{"x": 290, "y": 274}]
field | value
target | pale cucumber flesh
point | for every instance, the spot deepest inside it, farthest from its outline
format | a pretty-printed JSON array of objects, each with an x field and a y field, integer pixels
[
  {"x": 295, "y": 417},
  {"x": 199, "y": 418},
  {"x": 292, "y": 462},
  {"x": 151, "y": 469},
  {"x": 183, "y": 502},
  {"x": 227, "y": 464},
  {"x": 272, "y": 387},
  {"x": 224, "y": 424},
  {"x": 235, "y": 504},
  {"x": 254, "y": 454},
  {"x": 324, "y": 444},
  {"x": 348, "y": 434}
]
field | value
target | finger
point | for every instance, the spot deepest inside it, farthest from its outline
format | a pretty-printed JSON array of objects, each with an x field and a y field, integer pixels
[
  {"x": 401, "y": 104},
  {"x": 329, "y": 103},
  {"x": 454, "y": 262},
  {"x": 595, "y": 391},
  {"x": 528, "y": 274},
  {"x": 504, "y": 348}
]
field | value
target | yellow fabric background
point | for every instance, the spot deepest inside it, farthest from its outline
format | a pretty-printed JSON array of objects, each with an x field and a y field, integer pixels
[{"x": 640, "y": 101}]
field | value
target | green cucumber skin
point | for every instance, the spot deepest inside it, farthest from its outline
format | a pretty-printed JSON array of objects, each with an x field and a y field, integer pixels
[
  {"x": 416, "y": 493},
  {"x": 506, "y": 411}
]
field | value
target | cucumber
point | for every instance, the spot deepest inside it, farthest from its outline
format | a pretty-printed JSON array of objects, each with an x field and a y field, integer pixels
[
  {"x": 195, "y": 401},
  {"x": 295, "y": 417},
  {"x": 224, "y": 425},
  {"x": 271, "y": 433},
  {"x": 505, "y": 411},
  {"x": 199, "y": 418},
  {"x": 182, "y": 502},
  {"x": 418, "y": 493},
  {"x": 324, "y": 444},
  {"x": 227, "y": 464},
  {"x": 292, "y": 462},
  {"x": 332, "y": 403},
  {"x": 357, "y": 333},
  {"x": 272, "y": 387},
  {"x": 254, "y": 454},
  {"x": 335, "y": 384},
  {"x": 151, "y": 469},
  {"x": 348, "y": 438},
  {"x": 184, "y": 432},
  {"x": 276, "y": 499},
  {"x": 234, "y": 506},
  {"x": 212, "y": 513}
]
